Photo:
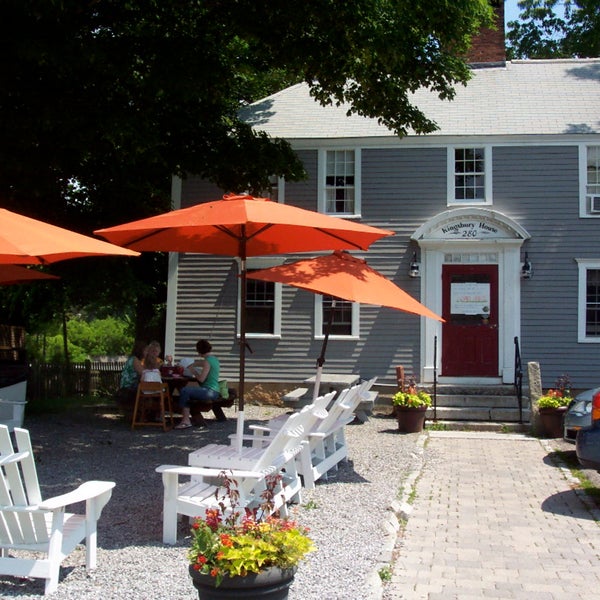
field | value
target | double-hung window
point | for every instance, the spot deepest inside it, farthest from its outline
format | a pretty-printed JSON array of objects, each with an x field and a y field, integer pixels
[
  {"x": 339, "y": 177},
  {"x": 343, "y": 316},
  {"x": 589, "y": 301},
  {"x": 589, "y": 161},
  {"x": 469, "y": 175},
  {"x": 263, "y": 301}
]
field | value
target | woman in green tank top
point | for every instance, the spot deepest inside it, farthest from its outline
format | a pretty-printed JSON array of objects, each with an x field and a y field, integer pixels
[{"x": 208, "y": 391}]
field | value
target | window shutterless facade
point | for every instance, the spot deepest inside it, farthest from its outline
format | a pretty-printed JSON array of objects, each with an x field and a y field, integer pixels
[
  {"x": 469, "y": 175},
  {"x": 589, "y": 177},
  {"x": 260, "y": 307},
  {"x": 263, "y": 301},
  {"x": 345, "y": 317},
  {"x": 589, "y": 301},
  {"x": 339, "y": 177}
]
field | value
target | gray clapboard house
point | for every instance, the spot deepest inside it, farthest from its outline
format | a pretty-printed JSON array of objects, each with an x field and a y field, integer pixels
[{"x": 497, "y": 221}]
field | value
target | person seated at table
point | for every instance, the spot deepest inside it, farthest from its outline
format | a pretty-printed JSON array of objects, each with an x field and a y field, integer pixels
[
  {"x": 154, "y": 349},
  {"x": 130, "y": 377},
  {"x": 207, "y": 392},
  {"x": 151, "y": 372}
]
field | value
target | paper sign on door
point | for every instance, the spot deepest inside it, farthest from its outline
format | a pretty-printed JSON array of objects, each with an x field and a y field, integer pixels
[{"x": 470, "y": 298}]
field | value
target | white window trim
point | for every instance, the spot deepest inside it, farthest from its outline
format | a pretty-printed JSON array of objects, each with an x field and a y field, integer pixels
[
  {"x": 355, "y": 335},
  {"x": 450, "y": 166},
  {"x": 321, "y": 170},
  {"x": 584, "y": 213},
  {"x": 583, "y": 265},
  {"x": 280, "y": 190},
  {"x": 263, "y": 263}
]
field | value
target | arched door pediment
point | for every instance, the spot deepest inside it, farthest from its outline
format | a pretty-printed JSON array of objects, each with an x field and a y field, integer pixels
[{"x": 465, "y": 224}]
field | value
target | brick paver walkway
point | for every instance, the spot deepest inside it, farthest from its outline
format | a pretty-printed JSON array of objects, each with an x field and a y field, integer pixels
[{"x": 495, "y": 518}]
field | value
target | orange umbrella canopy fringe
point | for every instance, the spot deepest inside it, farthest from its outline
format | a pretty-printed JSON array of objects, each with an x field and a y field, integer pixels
[
  {"x": 13, "y": 274},
  {"x": 243, "y": 226},
  {"x": 28, "y": 241},
  {"x": 346, "y": 277}
]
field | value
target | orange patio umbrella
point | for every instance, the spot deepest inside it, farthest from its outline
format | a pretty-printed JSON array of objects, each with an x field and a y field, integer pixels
[
  {"x": 242, "y": 226},
  {"x": 12, "y": 274},
  {"x": 28, "y": 241},
  {"x": 346, "y": 277}
]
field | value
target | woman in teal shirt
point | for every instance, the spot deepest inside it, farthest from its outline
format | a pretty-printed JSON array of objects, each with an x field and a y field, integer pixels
[{"x": 207, "y": 391}]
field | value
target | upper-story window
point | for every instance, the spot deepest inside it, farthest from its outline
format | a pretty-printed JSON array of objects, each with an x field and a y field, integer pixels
[
  {"x": 469, "y": 175},
  {"x": 589, "y": 301},
  {"x": 339, "y": 176},
  {"x": 589, "y": 161}
]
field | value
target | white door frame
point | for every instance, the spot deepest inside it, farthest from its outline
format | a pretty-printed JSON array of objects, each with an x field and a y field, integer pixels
[{"x": 468, "y": 236}]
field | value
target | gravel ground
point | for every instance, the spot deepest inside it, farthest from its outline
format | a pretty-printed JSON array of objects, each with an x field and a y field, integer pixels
[{"x": 349, "y": 515}]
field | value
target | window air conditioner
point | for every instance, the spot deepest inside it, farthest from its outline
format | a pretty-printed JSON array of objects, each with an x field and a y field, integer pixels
[{"x": 594, "y": 203}]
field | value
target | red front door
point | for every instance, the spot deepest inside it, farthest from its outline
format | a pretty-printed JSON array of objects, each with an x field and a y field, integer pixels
[{"x": 470, "y": 309}]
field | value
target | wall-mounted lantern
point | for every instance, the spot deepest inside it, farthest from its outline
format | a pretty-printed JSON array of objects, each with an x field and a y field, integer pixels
[
  {"x": 415, "y": 268},
  {"x": 526, "y": 269}
]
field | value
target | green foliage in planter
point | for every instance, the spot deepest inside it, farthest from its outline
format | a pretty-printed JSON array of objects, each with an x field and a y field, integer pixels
[
  {"x": 234, "y": 543},
  {"x": 411, "y": 400},
  {"x": 553, "y": 401}
]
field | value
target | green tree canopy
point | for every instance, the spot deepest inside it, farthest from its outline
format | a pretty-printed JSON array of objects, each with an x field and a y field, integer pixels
[
  {"x": 555, "y": 29},
  {"x": 101, "y": 101}
]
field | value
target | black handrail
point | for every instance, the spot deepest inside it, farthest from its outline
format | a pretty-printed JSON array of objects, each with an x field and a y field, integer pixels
[
  {"x": 435, "y": 378},
  {"x": 519, "y": 378}
]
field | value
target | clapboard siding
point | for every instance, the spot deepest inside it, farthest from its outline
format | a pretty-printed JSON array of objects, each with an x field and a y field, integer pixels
[
  {"x": 539, "y": 187},
  {"x": 403, "y": 187}
]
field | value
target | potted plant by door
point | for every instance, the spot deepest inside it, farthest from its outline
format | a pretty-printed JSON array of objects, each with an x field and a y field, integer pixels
[
  {"x": 411, "y": 407},
  {"x": 245, "y": 554},
  {"x": 552, "y": 408}
]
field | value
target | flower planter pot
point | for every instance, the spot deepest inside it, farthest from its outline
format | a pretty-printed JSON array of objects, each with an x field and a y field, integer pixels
[
  {"x": 551, "y": 421},
  {"x": 271, "y": 584},
  {"x": 411, "y": 420}
]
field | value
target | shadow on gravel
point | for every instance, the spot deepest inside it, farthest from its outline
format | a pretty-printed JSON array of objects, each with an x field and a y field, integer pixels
[{"x": 89, "y": 444}]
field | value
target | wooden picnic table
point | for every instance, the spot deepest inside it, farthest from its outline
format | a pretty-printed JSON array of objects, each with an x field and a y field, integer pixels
[
  {"x": 333, "y": 381},
  {"x": 330, "y": 382},
  {"x": 176, "y": 382}
]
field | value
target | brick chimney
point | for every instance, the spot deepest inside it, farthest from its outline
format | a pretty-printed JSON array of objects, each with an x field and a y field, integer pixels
[{"x": 488, "y": 46}]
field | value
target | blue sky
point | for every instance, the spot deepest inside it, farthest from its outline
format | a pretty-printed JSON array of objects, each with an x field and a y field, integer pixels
[{"x": 511, "y": 10}]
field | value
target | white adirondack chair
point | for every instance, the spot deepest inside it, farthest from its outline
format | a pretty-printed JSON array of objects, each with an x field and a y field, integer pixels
[
  {"x": 250, "y": 469},
  {"x": 261, "y": 435},
  {"x": 327, "y": 446},
  {"x": 29, "y": 523}
]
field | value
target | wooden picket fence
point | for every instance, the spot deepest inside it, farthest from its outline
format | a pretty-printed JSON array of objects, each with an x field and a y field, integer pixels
[{"x": 49, "y": 381}]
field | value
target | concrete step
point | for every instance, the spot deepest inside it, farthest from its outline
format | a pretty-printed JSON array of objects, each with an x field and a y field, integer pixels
[
  {"x": 481, "y": 413},
  {"x": 498, "y": 427},
  {"x": 471, "y": 401},
  {"x": 484, "y": 404}
]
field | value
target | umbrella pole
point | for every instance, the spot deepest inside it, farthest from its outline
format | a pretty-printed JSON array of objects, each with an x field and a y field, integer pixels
[
  {"x": 321, "y": 359},
  {"x": 241, "y": 386}
]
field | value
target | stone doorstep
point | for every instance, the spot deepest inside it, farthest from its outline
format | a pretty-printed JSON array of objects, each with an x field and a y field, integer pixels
[{"x": 492, "y": 426}]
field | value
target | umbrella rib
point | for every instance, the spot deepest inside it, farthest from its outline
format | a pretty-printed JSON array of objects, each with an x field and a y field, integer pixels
[
  {"x": 141, "y": 238},
  {"x": 230, "y": 233},
  {"x": 340, "y": 238}
]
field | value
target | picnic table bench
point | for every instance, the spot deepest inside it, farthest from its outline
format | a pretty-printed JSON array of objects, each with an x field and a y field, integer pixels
[{"x": 302, "y": 396}]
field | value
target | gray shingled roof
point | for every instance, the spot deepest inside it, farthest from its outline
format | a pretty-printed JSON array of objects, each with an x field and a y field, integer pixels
[{"x": 548, "y": 97}]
